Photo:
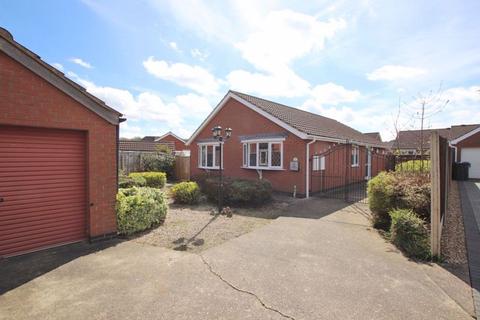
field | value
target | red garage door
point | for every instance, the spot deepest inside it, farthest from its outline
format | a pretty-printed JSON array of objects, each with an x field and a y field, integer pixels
[{"x": 42, "y": 188}]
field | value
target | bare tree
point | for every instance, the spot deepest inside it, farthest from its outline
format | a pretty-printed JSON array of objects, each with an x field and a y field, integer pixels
[{"x": 425, "y": 106}]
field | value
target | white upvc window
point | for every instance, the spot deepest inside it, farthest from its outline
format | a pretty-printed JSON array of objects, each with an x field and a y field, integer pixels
[
  {"x": 209, "y": 155},
  {"x": 263, "y": 154},
  {"x": 318, "y": 163},
  {"x": 354, "y": 158}
]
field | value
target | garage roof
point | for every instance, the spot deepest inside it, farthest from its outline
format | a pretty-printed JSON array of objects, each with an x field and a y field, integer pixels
[{"x": 34, "y": 63}]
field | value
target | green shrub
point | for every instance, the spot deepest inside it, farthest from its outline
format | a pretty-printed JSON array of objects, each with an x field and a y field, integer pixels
[
  {"x": 413, "y": 166},
  {"x": 128, "y": 182},
  {"x": 392, "y": 190},
  {"x": 186, "y": 192},
  {"x": 153, "y": 179},
  {"x": 413, "y": 192},
  {"x": 236, "y": 192},
  {"x": 249, "y": 192},
  {"x": 409, "y": 233},
  {"x": 381, "y": 198},
  {"x": 159, "y": 162},
  {"x": 139, "y": 209}
]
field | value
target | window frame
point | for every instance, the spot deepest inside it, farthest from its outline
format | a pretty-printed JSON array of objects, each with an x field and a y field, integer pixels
[
  {"x": 203, "y": 148},
  {"x": 246, "y": 147},
  {"x": 354, "y": 157},
  {"x": 318, "y": 163}
]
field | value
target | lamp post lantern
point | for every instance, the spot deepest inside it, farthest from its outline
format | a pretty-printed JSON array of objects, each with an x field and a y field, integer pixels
[{"x": 218, "y": 135}]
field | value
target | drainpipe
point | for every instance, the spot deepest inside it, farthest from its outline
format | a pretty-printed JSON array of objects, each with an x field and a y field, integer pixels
[
  {"x": 307, "y": 170},
  {"x": 120, "y": 120}
]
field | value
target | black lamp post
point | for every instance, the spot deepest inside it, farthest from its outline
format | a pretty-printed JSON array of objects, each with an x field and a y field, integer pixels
[{"x": 218, "y": 135}]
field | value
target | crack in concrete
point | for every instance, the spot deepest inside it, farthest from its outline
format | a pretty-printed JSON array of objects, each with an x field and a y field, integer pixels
[{"x": 244, "y": 291}]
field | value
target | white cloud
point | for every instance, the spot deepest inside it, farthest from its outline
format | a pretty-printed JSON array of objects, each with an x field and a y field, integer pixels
[
  {"x": 333, "y": 94},
  {"x": 283, "y": 83},
  {"x": 193, "y": 77},
  {"x": 144, "y": 106},
  {"x": 173, "y": 45},
  {"x": 198, "y": 105},
  {"x": 198, "y": 54},
  {"x": 58, "y": 66},
  {"x": 284, "y": 36},
  {"x": 81, "y": 62},
  {"x": 129, "y": 131},
  {"x": 395, "y": 72}
]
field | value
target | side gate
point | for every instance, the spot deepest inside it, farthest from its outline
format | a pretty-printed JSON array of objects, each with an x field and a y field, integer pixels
[{"x": 343, "y": 171}]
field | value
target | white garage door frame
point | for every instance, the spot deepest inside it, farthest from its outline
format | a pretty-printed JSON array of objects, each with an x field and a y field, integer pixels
[{"x": 472, "y": 155}]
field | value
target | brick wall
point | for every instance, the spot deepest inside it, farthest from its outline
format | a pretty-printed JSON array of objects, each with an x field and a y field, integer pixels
[
  {"x": 179, "y": 144},
  {"x": 28, "y": 100}
]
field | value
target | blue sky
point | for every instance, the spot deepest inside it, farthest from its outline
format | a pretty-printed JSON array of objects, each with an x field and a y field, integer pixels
[{"x": 166, "y": 64}]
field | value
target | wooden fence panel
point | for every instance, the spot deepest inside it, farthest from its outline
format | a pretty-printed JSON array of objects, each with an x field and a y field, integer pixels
[
  {"x": 131, "y": 161},
  {"x": 182, "y": 168},
  {"x": 441, "y": 164}
]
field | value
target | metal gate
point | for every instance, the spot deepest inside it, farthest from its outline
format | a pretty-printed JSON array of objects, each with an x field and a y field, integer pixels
[{"x": 343, "y": 171}]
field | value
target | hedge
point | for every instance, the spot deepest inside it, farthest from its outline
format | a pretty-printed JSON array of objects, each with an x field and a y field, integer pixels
[
  {"x": 186, "y": 192},
  {"x": 236, "y": 191},
  {"x": 413, "y": 166},
  {"x": 410, "y": 233},
  {"x": 391, "y": 190},
  {"x": 128, "y": 182},
  {"x": 153, "y": 179},
  {"x": 139, "y": 209},
  {"x": 159, "y": 162}
]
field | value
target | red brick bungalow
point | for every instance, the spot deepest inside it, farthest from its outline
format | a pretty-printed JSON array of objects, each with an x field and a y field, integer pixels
[
  {"x": 58, "y": 155},
  {"x": 285, "y": 145}
]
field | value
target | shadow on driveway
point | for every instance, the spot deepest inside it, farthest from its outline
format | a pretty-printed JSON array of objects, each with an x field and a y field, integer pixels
[{"x": 15, "y": 271}]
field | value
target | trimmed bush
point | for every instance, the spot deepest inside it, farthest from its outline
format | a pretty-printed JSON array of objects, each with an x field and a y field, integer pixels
[
  {"x": 159, "y": 162},
  {"x": 128, "y": 182},
  {"x": 249, "y": 192},
  {"x": 153, "y": 179},
  {"x": 186, "y": 192},
  {"x": 381, "y": 198},
  {"x": 236, "y": 192},
  {"x": 139, "y": 209},
  {"x": 413, "y": 166},
  {"x": 410, "y": 234}
]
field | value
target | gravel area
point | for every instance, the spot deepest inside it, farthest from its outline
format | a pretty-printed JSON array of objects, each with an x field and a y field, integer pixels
[
  {"x": 194, "y": 228},
  {"x": 453, "y": 247}
]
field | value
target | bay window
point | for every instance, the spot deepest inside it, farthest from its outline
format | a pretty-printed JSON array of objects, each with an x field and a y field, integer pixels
[{"x": 267, "y": 155}]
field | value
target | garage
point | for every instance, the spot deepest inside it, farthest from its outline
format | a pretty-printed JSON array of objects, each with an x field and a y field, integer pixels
[
  {"x": 58, "y": 156},
  {"x": 467, "y": 148},
  {"x": 42, "y": 188},
  {"x": 472, "y": 155}
]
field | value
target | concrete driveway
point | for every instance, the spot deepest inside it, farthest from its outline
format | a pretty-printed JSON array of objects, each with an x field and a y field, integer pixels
[{"x": 311, "y": 264}]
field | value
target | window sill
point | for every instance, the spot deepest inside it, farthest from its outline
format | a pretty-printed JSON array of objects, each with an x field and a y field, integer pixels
[
  {"x": 355, "y": 165},
  {"x": 264, "y": 168},
  {"x": 209, "y": 168}
]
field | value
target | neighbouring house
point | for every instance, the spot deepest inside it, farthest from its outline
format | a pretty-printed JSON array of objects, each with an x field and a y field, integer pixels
[
  {"x": 170, "y": 138},
  {"x": 465, "y": 140},
  {"x": 126, "y": 145},
  {"x": 285, "y": 145},
  {"x": 374, "y": 135},
  {"x": 58, "y": 155},
  {"x": 409, "y": 142}
]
